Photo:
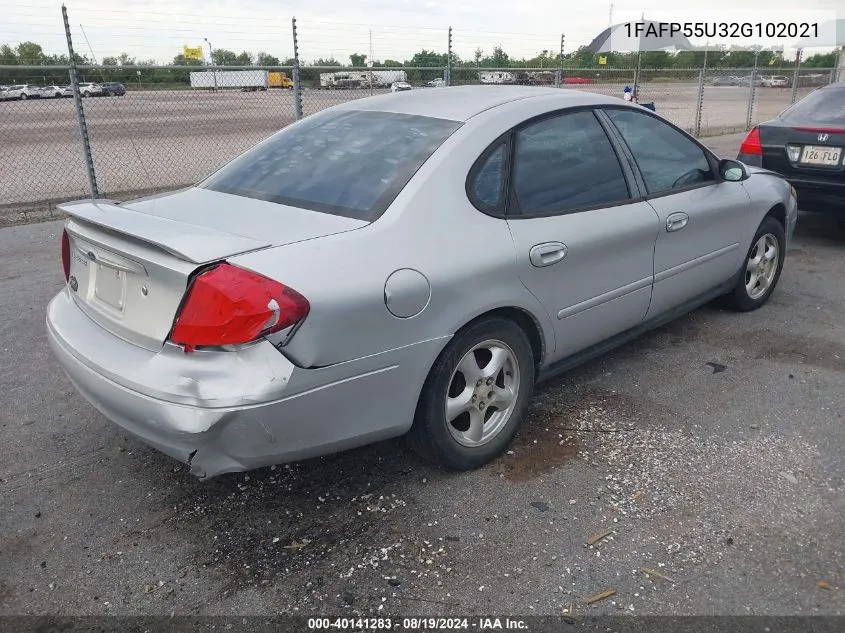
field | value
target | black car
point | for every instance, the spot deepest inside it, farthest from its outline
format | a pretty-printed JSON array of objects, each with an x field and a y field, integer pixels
[
  {"x": 113, "y": 89},
  {"x": 806, "y": 144}
]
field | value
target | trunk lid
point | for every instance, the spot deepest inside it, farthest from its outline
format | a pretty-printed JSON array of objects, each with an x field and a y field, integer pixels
[
  {"x": 777, "y": 137},
  {"x": 130, "y": 264}
]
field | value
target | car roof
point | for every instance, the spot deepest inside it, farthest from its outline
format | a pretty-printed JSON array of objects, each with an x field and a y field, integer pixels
[{"x": 461, "y": 103}]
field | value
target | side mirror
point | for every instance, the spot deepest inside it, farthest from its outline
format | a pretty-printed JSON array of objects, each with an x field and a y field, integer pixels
[{"x": 732, "y": 170}]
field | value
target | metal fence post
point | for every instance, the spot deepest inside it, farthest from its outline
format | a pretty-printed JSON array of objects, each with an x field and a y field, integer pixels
[
  {"x": 796, "y": 75},
  {"x": 751, "y": 93},
  {"x": 448, "y": 78},
  {"x": 80, "y": 113},
  {"x": 297, "y": 83},
  {"x": 700, "y": 104},
  {"x": 559, "y": 73}
]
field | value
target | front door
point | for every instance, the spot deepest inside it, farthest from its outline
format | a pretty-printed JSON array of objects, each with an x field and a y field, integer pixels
[{"x": 703, "y": 220}]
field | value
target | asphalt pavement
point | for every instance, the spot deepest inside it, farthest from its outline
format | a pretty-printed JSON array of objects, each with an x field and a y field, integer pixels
[{"x": 703, "y": 461}]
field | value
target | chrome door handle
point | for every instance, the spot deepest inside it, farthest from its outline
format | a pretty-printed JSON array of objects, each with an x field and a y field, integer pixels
[
  {"x": 676, "y": 222},
  {"x": 547, "y": 254}
]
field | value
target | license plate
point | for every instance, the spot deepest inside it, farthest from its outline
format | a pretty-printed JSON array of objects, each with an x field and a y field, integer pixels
[
  {"x": 821, "y": 155},
  {"x": 109, "y": 287}
]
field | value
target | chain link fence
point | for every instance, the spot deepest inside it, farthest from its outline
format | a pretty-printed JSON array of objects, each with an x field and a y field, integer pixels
[{"x": 152, "y": 128}]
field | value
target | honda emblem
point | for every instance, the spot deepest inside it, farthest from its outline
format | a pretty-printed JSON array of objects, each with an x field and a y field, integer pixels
[{"x": 823, "y": 137}]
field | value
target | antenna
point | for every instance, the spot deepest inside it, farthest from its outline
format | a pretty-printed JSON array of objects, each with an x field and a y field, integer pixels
[
  {"x": 93, "y": 57},
  {"x": 119, "y": 114}
]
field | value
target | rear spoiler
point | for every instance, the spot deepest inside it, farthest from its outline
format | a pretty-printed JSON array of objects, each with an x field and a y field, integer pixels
[{"x": 193, "y": 243}]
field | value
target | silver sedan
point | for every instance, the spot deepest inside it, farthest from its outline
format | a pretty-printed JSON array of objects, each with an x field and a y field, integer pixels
[{"x": 407, "y": 264}]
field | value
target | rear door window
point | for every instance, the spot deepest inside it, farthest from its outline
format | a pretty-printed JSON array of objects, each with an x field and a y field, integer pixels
[
  {"x": 349, "y": 163},
  {"x": 566, "y": 162}
]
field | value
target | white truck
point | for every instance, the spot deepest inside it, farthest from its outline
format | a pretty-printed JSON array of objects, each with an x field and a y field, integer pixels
[
  {"x": 384, "y": 78},
  {"x": 243, "y": 79},
  {"x": 496, "y": 77},
  {"x": 362, "y": 78}
]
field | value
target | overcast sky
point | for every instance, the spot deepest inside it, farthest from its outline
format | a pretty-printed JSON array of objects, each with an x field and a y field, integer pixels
[{"x": 158, "y": 29}]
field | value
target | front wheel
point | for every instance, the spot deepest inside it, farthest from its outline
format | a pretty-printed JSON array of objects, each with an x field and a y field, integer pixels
[
  {"x": 23, "y": 96},
  {"x": 475, "y": 397},
  {"x": 761, "y": 271}
]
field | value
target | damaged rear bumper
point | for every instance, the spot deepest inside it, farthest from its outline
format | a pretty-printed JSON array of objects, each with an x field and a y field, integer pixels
[{"x": 229, "y": 411}]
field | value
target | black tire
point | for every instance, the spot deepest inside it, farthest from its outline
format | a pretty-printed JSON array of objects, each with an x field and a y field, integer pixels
[
  {"x": 430, "y": 436},
  {"x": 739, "y": 299},
  {"x": 23, "y": 96},
  {"x": 86, "y": 94}
]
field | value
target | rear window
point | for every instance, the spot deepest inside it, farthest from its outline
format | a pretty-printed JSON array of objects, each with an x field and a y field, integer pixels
[
  {"x": 822, "y": 107},
  {"x": 349, "y": 163}
]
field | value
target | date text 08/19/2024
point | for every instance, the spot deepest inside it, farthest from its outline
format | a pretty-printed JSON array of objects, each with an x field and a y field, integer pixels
[
  {"x": 416, "y": 624},
  {"x": 789, "y": 30}
]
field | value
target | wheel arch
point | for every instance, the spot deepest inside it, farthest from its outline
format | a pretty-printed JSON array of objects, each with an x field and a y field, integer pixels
[
  {"x": 526, "y": 321},
  {"x": 778, "y": 212}
]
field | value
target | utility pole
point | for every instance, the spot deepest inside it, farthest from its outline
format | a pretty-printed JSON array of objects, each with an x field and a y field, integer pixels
[
  {"x": 211, "y": 58},
  {"x": 448, "y": 77},
  {"x": 610, "y": 16},
  {"x": 80, "y": 113},
  {"x": 559, "y": 77}
]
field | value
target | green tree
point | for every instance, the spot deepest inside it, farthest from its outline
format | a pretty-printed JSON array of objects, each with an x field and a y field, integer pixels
[
  {"x": 499, "y": 59},
  {"x": 30, "y": 53},
  {"x": 181, "y": 60},
  {"x": 357, "y": 59},
  {"x": 8, "y": 57},
  {"x": 265, "y": 59},
  {"x": 392, "y": 63},
  {"x": 819, "y": 60},
  {"x": 224, "y": 57},
  {"x": 244, "y": 59},
  {"x": 426, "y": 58}
]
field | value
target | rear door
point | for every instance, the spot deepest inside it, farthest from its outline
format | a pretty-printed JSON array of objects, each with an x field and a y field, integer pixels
[
  {"x": 705, "y": 223},
  {"x": 584, "y": 243}
]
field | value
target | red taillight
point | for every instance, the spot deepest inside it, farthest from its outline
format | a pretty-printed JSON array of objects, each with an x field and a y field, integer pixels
[
  {"x": 751, "y": 144},
  {"x": 66, "y": 254},
  {"x": 227, "y": 305}
]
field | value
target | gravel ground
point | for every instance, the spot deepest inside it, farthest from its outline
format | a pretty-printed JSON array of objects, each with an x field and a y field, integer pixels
[{"x": 707, "y": 456}]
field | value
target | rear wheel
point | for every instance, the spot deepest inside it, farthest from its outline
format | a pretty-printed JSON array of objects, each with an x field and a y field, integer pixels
[
  {"x": 475, "y": 396},
  {"x": 761, "y": 271},
  {"x": 24, "y": 96}
]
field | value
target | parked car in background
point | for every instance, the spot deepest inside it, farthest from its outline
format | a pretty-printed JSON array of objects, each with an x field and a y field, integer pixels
[
  {"x": 23, "y": 92},
  {"x": 55, "y": 92},
  {"x": 748, "y": 79},
  {"x": 90, "y": 90},
  {"x": 112, "y": 89},
  {"x": 726, "y": 80},
  {"x": 400, "y": 86},
  {"x": 778, "y": 81},
  {"x": 436, "y": 83},
  {"x": 218, "y": 324},
  {"x": 806, "y": 144}
]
